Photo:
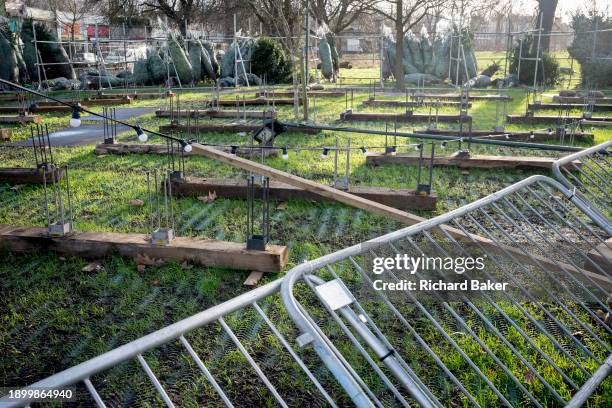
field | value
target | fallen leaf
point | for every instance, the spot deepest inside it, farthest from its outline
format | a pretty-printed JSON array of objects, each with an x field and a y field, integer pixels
[
  {"x": 92, "y": 266},
  {"x": 136, "y": 203},
  {"x": 154, "y": 282},
  {"x": 212, "y": 196},
  {"x": 529, "y": 377},
  {"x": 17, "y": 187},
  {"x": 148, "y": 261},
  {"x": 140, "y": 268},
  {"x": 282, "y": 205},
  {"x": 61, "y": 258}
]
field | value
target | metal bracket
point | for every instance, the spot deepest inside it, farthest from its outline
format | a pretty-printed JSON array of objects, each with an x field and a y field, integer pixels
[{"x": 334, "y": 294}]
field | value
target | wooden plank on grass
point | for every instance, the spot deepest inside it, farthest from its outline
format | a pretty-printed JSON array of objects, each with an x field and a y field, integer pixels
[
  {"x": 553, "y": 119},
  {"x": 155, "y": 148},
  {"x": 227, "y": 127},
  {"x": 256, "y": 102},
  {"x": 564, "y": 106},
  {"x": 411, "y": 104},
  {"x": 27, "y": 175},
  {"x": 472, "y": 161},
  {"x": 215, "y": 113},
  {"x": 232, "y": 188},
  {"x": 291, "y": 94},
  {"x": 402, "y": 117},
  {"x": 97, "y": 245},
  {"x": 385, "y": 210},
  {"x": 20, "y": 119},
  {"x": 538, "y": 136}
]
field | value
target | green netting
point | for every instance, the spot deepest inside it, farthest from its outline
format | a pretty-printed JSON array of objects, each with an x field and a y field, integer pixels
[
  {"x": 141, "y": 72},
  {"x": 9, "y": 68},
  {"x": 158, "y": 70},
  {"x": 331, "y": 40},
  {"x": 327, "y": 64},
  {"x": 210, "y": 49},
  {"x": 50, "y": 51},
  {"x": 208, "y": 70},
  {"x": 431, "y": 59},
  {"x": 247, "y": 46},
  {"x": 180, "y": 61},
  {"x": 195, "y": 57}
]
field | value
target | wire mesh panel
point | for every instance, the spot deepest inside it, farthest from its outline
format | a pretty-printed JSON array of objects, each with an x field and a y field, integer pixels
[
  {"x": 589, "y": 171},
  {"x": 500, "y": 303},
  {"x": 372, "y": 324}
]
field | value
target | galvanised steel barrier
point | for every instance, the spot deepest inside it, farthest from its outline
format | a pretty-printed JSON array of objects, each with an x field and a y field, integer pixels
[
  {"x": 589, "y": 174},
  {"x": 367, "y": 325}
]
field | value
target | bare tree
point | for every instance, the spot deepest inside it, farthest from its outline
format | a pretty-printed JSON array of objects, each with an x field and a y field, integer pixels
[
  {"x": 405, "y": 15},
  {"x": 546, "y": 11},
  {"x": 283, "y": 17},
  {"x": 340, "y": 14},
  {"x": 180, "y": 12},
  {"x": 69, "y": 13}
]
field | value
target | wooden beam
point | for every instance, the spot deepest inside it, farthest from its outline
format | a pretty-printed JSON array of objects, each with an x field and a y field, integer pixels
[
  {"x": 6, "y": 134},
  {"x": 215, "y": 113},
  {"x": 472, "y": 161},
  {"x": 601, "y": 256},
  {"x": 564, "y": 106},
  {"x": 96, "y": 245},
  {"x": 402, "y": 117},
  {"x": 290, "y": 94},
  {"x": 553, "y": 119},
  {"x": 411, "y": 103},
  {"x": 232, "y": 188},
  {"x": 20, "y": 119},
  {"x": 580, "y": 99},
  {"x": 456, "y": 97},
  {"x": 135, "y": 148},
  {"x": 28, "y": 175},
  {"x": 384, "y": 210},
  {"x": 226, "y": 127},
  {"x": 538, "y": 136},
  {"x": 256, "y": 101}
]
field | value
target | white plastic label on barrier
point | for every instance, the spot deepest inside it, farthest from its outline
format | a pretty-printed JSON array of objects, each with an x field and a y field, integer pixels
[{"x": 334, "y": 294}]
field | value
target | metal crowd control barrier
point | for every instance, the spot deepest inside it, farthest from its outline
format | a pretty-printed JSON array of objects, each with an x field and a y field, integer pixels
[
  {"x": 589, "y": 172},
  {"x": 324, "y": 336}
]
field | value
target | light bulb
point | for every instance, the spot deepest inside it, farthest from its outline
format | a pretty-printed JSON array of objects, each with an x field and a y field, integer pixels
[
  {"x": 142, "y": 136},
  {"x": 187, "y": 148},
  {"x": 75, "y": 119}
]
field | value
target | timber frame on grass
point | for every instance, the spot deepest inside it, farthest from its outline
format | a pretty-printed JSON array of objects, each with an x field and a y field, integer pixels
[
  {"x": 403, "y": 199},
  {"x": 467, "y": 161},
  {"x": 96, "y": 245}
]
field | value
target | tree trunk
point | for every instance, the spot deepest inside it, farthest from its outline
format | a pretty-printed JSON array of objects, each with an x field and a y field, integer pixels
[
  {"x": 398, "y": 69},
  {"x": 547, "y": 9}
]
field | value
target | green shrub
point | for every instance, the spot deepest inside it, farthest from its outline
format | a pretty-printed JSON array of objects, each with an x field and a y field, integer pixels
[
  {"x": 270, "y": 61},
  {"x": 491, "y": 69},
  {"x": 588, "y": 50},
  {"x": 548, "y": 67}
]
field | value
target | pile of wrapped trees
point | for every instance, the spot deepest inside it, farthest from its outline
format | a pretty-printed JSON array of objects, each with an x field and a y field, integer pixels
[
  {"x": 428, "y": 61},
  {"x": 19, "y": 55},
  {"x": 328, "y": 53},
  {"x": 186, "y": 61}
]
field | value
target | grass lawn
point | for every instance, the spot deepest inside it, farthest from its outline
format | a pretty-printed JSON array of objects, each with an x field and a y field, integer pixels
[{"x": 53, "y": 315}]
